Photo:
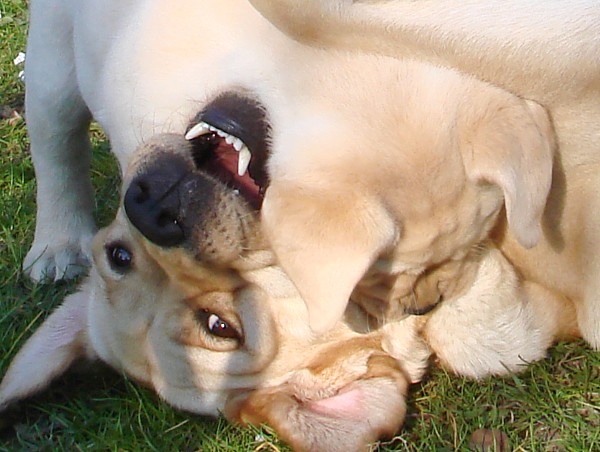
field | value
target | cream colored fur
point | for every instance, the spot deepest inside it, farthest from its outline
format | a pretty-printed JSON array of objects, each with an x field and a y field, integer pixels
[
  {"x": 547, "y": 52},
  {"x": 316, "y": 391},
  {"x": 380, "y": 168}
]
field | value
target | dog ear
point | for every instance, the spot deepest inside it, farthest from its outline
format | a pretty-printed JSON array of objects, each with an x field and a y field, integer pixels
[
  {"x": 58, "y": 342},
  {"x": 511, "y": 144},
  {"x": 325, "y": 242},
  {"x": 306, "y": 415}
]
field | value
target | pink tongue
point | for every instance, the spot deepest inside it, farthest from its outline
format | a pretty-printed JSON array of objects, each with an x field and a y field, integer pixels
[{"x": 225, "y": 167}]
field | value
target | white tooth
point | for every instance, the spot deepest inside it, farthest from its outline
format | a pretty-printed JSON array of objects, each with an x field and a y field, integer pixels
[
  {"x": 238, "y": 144},
  {"x": 243, "y": 160},
  {"x": 199, "y": 129},
  {"x": 202, "y": 128}
]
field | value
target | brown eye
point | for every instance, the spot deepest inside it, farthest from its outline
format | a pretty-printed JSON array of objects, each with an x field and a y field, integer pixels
[
  {"x": 119, "y": 256},
  {"x": 216, "y": 326}
]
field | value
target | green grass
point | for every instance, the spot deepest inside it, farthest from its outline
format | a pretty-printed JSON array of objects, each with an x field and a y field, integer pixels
[{"x": 553, "y": 406}]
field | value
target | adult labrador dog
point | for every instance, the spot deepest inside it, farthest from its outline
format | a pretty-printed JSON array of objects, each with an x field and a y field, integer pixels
[
  {"x": 214, "y": 325},
  {"x": 546, "y": 52}
]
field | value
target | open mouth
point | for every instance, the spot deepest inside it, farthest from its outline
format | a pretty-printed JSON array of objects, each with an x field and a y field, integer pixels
[
  {"x": 229, "y": 140},
  {"x": 227, "y": 158}
]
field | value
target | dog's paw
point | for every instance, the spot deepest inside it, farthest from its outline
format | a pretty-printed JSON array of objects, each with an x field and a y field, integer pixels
[{"x": 56, "y": 261}]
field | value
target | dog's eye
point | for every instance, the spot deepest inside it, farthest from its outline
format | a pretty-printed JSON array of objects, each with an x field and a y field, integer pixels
[
  {"x": 216, "y": 326},
  {"x": 119, "y": 256}
]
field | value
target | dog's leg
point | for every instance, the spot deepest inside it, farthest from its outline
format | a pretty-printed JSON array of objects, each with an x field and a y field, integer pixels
[
  {"x": 500, "y": 325},
  {"x": 588, "y": 308},
  {"x": 588, "y": 314},
  {"x": 553, "y": 313},
  {"x": 58, "y": 121}
]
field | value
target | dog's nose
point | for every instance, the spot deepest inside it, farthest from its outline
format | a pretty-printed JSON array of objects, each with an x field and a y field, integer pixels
[{"x": 152, "y": 203}]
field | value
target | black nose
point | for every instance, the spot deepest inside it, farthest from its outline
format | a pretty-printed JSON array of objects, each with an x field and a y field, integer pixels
[{"x": 152, "y": 202}]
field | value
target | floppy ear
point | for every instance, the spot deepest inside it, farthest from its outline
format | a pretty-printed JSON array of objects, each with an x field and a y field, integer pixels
[
  {"x": 308, "y": 418},
  {"x": 60, "y": 341},
  {"x": 325, "y": 242},
  {"x": 511, "y": 145}
]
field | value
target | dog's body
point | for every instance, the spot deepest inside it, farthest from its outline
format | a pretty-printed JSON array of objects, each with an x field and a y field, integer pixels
[
  {"x": 148, "y": 82},
  {"x": 152, "y": 309},
  {"x": 549, "y": 53}
]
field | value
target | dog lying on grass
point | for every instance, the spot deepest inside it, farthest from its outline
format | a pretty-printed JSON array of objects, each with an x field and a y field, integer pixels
[{"x": 214, "y": 326}]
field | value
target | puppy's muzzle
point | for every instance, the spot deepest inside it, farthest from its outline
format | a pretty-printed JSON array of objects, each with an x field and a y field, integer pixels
[
  {"x": 153, "y": 201},
  {"x": 174, "y": 203}
]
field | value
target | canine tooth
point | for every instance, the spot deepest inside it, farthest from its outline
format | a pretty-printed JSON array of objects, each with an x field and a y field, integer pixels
[
  {"x": 238, "y": 144},
  {"x": 199, "y": 129},
  {"x": 243, "y": 161}
]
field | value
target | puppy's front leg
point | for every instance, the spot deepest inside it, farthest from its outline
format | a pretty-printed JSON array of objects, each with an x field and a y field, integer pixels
[
  {"x": 58, "y": 121},
  {"x": 588, "y": 307},
  {"x": 500, "y": 324}
]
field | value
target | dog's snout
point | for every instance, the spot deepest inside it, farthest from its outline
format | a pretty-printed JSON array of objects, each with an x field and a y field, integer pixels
[
  {"x": 153, "y": 204},
  {"x": 173, "y": 203}
]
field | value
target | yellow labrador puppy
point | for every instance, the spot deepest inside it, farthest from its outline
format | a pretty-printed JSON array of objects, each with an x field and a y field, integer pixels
[
  {"x": 353, "y": 183},
  {"x": 214, "y": 326},
  {"x": 548, "y": 52},
  {"x": 417, "y": 175}
]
